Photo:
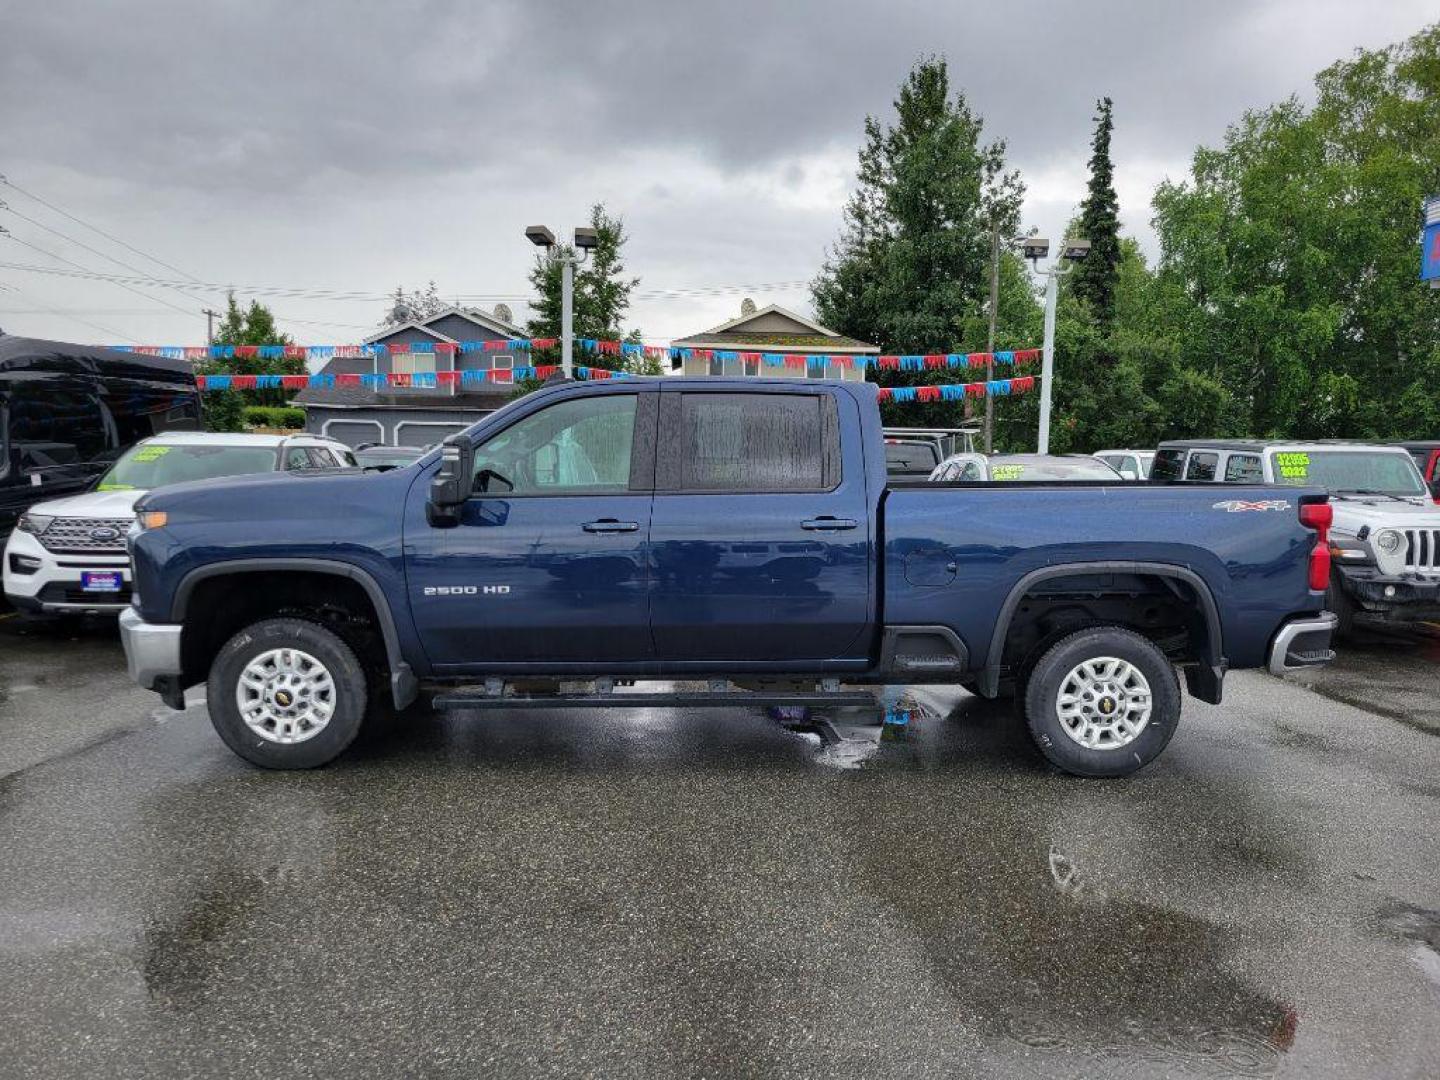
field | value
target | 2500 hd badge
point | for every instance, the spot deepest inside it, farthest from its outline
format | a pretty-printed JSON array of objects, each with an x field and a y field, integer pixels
[{"x": 466, "y": 590}]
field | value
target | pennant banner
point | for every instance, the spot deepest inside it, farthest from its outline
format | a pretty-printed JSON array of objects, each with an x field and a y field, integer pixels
[
  {"x": 958, "y": 391},
  {"x": 415, "y": 380},
  {"x": 928, "y": 361}
]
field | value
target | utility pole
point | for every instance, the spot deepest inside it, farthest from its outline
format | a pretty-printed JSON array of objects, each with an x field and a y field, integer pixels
[
  {"x": 210, "y": 316},
  {"x": 1071, "y": 252},
  {"x": 567, "y": 315},
  {"x": 990, "y": 338}
]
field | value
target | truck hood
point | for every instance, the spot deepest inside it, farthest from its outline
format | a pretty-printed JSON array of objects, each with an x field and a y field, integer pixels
[
  {"x": 1352, "y": 512},
  {"x": 92, "y": 504},
  {"x": 277, "y": 495}
]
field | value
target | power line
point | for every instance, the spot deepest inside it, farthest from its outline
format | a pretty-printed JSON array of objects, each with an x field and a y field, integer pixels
[
  {"x": 95, "y": 229},
  {"x": 61, "y": 258},
  {"x": 110, "y": 330}
]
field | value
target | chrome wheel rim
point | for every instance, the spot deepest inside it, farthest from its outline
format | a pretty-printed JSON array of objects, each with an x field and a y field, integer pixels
[
  {"x": 1103, "y": 703},
  {"x": 285, "y": 696}
]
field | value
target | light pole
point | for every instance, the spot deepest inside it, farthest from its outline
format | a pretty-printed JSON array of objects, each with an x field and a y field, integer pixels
[
  {"x": 1035, "y": 248},
  {"x": 585, "y": 240}
]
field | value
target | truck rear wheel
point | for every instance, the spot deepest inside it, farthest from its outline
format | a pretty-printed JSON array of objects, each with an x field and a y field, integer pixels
[
  {"x": 287, "y": 694},
  {"x": 1102, "y": 702}
]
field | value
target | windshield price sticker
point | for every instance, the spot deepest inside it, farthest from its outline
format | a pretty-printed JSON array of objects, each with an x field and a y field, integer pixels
[
  {"x": 1292, "y": 466},
  {"x": 1007, "y": 472},
  {"x": 150, "y": 453}
]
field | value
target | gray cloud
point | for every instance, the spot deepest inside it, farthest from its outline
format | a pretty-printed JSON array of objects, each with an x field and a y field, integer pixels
[{"x": 354, "y": 145}]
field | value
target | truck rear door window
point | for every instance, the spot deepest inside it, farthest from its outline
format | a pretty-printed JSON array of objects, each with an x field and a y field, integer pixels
[
  {"x": 1201, "y": 466},
  {"x": 753, "y": 442}
]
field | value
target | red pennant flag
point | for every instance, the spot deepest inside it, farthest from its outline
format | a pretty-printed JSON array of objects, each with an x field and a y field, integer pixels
[
  {"x": 542, "y": 342},
  {"x": 934, "y": 360},
  {"x": 399, "y": 346},
  {"x": 294, "y": 382},
  {"x": 975, "y": 389},
  {"x": 246, "y": 351},
  {"x": 243, "y": 382},
  {"x": 884, "y": 394},
  {"x": 888, "y": 362},
  {"x": 447, "y": 378},
  {"x": 351, "y": 379},
  {"x": 927, "y": 393},
  {"x": 399, "y": 378},
  {"x": 795, "y": 361},
  {"x": 1027, "y": 356},
  {"x": 1019, "y": 386},
  {"x": 544, "y": 371},
  {"x": 445, "y": 346}
]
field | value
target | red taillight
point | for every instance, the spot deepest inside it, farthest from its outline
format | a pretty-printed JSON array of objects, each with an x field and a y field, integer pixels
[{"x": 1318, "y": 516}]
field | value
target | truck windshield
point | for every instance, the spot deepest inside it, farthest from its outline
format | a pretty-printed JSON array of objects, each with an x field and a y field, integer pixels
[
  {"x": 153, "y": 465},
  {"x": 1360, "y": 471}
]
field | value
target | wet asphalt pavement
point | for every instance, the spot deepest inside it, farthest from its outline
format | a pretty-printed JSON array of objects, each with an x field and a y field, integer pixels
[{"x": 675, "y": 893}]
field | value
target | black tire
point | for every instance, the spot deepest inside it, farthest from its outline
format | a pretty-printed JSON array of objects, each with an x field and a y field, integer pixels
[
  {"x": 1042, "y": 689},
  {"x": 346, "y": 673},
  {"x": 1344, "y": 610}
]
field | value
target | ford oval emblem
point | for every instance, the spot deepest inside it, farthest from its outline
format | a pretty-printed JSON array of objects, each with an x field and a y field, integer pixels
[{"x": 104, "y": 534}]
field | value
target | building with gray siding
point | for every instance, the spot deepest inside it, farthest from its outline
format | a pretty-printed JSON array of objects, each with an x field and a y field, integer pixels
[{"x": 415, "y": 416}]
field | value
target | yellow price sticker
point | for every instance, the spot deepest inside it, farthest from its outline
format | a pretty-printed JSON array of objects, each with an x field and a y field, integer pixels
[
  {"x": 1007, "y": 472},
  {"x": 150, "y": 453},
  {"x": 116, "y": 487},
  {"x": 1292, "y": 467}
]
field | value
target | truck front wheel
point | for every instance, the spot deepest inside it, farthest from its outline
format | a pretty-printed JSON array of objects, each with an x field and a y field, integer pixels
[
  {"x": 1102, "y": 702},
  {"x": 286, "y": 694}
]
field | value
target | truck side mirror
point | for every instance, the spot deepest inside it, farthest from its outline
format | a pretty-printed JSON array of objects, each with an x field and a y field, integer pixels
[{"x": 451, "y": 485}]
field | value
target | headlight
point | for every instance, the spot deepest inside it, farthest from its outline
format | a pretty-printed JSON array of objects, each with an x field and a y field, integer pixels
[
  {"x": 34, "y": 523},
  {"x": 1389, "y": 551},
  {"x": 150, "y": 519}
]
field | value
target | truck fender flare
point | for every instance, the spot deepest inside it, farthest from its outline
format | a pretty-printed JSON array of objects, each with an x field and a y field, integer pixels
[
  {"x": 1205, "y": 684},
  {"x": 403, "y": 685}
]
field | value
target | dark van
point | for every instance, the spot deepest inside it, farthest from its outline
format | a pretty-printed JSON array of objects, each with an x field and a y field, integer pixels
[{"x": 68, "y": 411}]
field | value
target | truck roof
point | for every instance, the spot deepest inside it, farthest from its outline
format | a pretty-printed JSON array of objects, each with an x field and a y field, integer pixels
[
  {"x": 231, "y": 438},
  {"x": 1259, "y": 445}
]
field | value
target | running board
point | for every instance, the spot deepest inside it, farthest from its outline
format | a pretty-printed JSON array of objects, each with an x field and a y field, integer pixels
[{"x": 689, "y": 699}]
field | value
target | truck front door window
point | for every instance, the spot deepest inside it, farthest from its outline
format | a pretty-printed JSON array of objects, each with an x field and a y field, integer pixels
[{"x": 581, "y": 446}]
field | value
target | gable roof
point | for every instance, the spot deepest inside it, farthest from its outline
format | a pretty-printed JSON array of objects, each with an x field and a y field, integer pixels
[
  {"x": 479, "y": 318},
  {"x": 773, "y": 309},
  {"x": 803, "y": 334}
]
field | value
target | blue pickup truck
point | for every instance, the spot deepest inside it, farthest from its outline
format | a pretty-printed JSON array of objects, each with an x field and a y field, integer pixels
[{"x": 739, "y": 534}]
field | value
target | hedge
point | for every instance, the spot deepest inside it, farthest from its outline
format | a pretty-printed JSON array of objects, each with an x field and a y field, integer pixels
[{"x": 274, "y": 416}]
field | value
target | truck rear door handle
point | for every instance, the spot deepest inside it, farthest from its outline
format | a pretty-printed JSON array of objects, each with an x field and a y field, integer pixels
[
  {"x": 609, "y": 525},
  {"x": 826, "y": 523}
]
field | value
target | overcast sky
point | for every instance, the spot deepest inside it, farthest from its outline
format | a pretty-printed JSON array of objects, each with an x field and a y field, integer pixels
[{"x": 353, "y": 146}]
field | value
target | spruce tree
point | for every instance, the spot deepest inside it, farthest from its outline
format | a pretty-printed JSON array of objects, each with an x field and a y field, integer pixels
[{"x": 1095, "y": 276}]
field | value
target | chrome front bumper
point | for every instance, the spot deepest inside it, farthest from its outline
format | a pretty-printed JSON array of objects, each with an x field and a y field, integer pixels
[
  {"x": 152, "y": 650},
  {"x": 1303, "y": 643}
]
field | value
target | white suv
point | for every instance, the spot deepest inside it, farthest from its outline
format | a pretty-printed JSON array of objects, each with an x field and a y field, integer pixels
[{"x": 68, "y": 555}]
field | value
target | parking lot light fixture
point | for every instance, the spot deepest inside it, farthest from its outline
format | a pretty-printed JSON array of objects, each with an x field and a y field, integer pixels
[{"x": 585, "y": 240}]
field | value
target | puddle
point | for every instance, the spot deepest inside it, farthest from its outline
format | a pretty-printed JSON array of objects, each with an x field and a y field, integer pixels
[
  {"x": 1421, "y": 927},
  {"x": 1039, "y": 956}
]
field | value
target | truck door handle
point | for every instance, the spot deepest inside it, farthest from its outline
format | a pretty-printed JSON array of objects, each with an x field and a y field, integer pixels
[
  {"x": 827, "y": 523},
  {"x": 609, "y": 525}
]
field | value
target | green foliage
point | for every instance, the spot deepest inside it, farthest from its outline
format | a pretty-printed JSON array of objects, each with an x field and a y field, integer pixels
[
  {"x": 273, "y": 416},
  {"x": 1294, "y": 248},
  {"x": 911, "y": 269},
  {"x": 255, "y": 325},
  {"x": 1095, "y": 278}
]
